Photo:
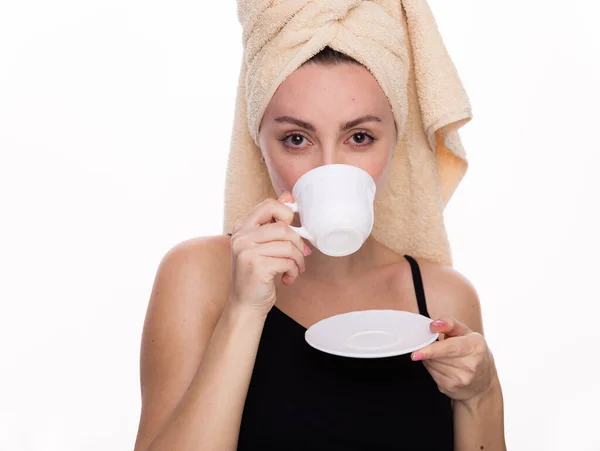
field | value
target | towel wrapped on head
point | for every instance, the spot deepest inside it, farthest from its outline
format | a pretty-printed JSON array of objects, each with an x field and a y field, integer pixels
[{"x": 399, "y": 43}]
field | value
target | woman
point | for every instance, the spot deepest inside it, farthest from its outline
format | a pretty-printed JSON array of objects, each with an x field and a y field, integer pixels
[
  {"x": 224, "y": 364},
  {"x": 213, "y": 296}
]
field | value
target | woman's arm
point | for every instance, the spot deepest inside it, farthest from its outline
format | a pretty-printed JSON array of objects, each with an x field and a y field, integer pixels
[
  {"x": 209, "y": 414},
  {"x": 462, "y": 363},
  {"x": 479, "y": 422},
  {"x": 203, "y": 326},
  {"x": 197, "y": 357}
]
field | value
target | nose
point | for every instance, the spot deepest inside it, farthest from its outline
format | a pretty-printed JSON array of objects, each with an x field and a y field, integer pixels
[{"x": 333, "y": 154}]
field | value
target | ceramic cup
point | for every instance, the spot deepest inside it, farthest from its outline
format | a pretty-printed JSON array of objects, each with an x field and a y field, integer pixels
[{"x": 335, "y": 205}]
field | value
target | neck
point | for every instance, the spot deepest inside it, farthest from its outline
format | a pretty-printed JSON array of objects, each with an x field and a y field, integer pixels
[{"x": 339, "y": 269}]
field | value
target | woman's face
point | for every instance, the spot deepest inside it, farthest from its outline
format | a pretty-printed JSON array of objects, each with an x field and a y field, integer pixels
[{"x": 324, "y": 115}]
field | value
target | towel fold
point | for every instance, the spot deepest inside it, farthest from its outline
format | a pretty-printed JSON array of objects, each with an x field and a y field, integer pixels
[{"x": 399, "y": 43}]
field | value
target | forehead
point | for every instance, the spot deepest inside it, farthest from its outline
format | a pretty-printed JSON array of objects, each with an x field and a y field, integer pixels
[{"x": 339, "y": 90}]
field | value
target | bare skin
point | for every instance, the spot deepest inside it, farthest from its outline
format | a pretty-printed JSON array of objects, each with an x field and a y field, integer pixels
[{"x": 211, "y": 295}]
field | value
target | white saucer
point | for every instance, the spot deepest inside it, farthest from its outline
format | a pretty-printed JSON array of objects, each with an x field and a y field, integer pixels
[{"x": 371, "y": 333}]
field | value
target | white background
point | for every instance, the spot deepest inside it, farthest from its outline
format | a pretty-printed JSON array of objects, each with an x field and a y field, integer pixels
[{"x": 115, "y": 119}]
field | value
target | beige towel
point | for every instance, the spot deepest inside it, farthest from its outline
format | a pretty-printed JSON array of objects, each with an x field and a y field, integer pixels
[{"x": 399, "y": 42}]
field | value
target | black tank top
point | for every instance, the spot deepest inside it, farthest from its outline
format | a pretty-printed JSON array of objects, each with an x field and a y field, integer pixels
[{"x": 300, "y": 398}]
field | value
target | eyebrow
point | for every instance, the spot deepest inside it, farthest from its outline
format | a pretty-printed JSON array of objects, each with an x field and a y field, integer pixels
[{"x": 312, "y": 128}]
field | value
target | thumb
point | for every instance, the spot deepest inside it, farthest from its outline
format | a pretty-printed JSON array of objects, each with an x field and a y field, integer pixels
[
  {"x": 449, "y": 326},
  {"x": 286, "y": 196}
]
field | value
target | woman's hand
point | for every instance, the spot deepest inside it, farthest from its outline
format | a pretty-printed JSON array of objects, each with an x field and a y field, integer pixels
[
  {"x": 262, "y": 248},
  {"x": 461, "y": 364}
]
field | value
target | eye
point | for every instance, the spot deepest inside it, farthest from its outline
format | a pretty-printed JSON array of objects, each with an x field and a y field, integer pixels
[
  {"x": 362, "y": 139},
  {"x": 294, "y": 140}
]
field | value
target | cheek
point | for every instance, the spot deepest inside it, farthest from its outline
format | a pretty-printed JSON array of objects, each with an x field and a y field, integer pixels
[
  {"x": 379, "y": 171},
  {"x": 284, "y": 175},
  {"x": 380, "y": 183}
]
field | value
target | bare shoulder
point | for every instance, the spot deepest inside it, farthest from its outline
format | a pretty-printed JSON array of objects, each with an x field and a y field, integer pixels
[
  {"x": 450, "y": 293},
  {"x": 189, "y": 292},
  {"x": 201, "y": 263},
  {"x": 192, "y": 278}
]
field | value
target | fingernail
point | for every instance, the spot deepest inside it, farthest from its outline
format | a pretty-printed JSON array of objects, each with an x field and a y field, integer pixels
[
  {"x": 417, "y": 356},
  {"x": 307, "y": 250},
  {"x": 438, "y": 323}
]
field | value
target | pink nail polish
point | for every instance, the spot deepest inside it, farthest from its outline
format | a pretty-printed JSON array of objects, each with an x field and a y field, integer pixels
[
  {"x": 438, "y": 323},
  {"x": 417, "y": 356},
  {"x": 307, "y": 250}
]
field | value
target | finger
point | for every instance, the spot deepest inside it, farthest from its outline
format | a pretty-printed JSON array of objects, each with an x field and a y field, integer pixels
[
  {"x": 264, "y": 213},
  {"x": 283, "y": 249},
  {"x": 440, "y": 378},
  {"x": 286, "y": 196},
  {"x": 452, "y": 362},
  {"x": 272, "y": 266},
  {"x": 278, "y": 231},
  {"x": 443, "y": 370},
  {"x": 449, "y": 326},
  {"x": 448, "y": 365},
  {"x": 285, "y": 266},
  {"x": 454, "y": 347}
]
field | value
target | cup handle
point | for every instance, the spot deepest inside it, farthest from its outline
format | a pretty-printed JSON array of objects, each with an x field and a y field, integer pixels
[{"x": 299, "y": 230}]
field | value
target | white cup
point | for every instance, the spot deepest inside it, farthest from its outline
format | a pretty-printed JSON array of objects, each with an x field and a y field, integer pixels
[{"x": 335, "y": 204}]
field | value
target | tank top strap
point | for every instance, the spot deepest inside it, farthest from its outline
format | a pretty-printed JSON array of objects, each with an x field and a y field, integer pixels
[{"x": 418, "y": 283}]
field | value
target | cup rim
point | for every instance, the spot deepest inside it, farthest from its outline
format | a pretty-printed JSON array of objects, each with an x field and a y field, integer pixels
[{"x": 337, "y": 166}]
